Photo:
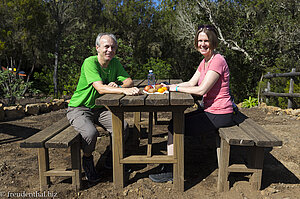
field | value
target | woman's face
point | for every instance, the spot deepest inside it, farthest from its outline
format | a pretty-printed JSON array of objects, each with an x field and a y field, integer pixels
[{"x": 203, "y": 44}]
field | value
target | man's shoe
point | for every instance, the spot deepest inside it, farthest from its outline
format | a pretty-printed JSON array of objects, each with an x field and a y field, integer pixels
[
  {"x": 165, "y": 175},
  {"x": 89, "y": 169}
]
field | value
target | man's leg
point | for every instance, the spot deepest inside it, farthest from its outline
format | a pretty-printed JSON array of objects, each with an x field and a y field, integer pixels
[
  {"x": 104, "y": 119},
  {"x": 81, "y": 119}
]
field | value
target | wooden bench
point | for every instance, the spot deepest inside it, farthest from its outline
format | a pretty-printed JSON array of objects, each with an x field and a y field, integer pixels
[
  {"x": 58, "y": 135},
  {"x": 249, "y": 134}
]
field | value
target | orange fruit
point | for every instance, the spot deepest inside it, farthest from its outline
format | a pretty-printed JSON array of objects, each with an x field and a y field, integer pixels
[
  {"x": 160, "y": 90},
  {"x": 165, "y": 88}
]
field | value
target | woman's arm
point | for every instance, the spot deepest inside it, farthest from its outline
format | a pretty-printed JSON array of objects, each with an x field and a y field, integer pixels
[
  {"x": 192, "y": 82},
  {"x": 208, "y": 82}
]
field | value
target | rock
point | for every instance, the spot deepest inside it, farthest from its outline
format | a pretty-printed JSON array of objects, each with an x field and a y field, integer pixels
[
  {"x": 273, "y": 109},
  {"x": 125, "y": 192},
  {"x": 58, "y": 104},
  {"x": 240, "y": 105},
  {"x": 295, "y": 112},
  {"x": 44, "y": 107},
  {"x": 288, "y": 111},
  {"x": 263, "y": 105},
  {"x": 271, "y": 190},
  {"x": 32, "y": 109},
  {"x": 14, "y": 112}
]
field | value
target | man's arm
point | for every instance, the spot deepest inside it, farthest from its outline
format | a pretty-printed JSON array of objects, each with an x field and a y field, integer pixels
[
  {"x": 127, "y": 83},
  {"x": 107, "y": 89}
]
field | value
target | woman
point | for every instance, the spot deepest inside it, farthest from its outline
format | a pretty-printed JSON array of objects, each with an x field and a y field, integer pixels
[{"x": 211, "y": 81}]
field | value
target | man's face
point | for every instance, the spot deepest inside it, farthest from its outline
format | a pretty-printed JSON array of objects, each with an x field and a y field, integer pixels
[{"x": 107, "y": 49}]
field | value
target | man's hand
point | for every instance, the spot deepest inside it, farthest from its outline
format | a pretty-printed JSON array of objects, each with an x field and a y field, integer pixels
[
  {"x": 131, "y": 91},
  {"x": 113, "y": 84}
]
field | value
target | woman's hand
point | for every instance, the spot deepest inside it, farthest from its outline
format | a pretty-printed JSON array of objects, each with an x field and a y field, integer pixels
[{"x": 171, "y": 87}]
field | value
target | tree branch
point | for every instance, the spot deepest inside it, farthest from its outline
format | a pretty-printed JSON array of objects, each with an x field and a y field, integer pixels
[{"x": 229, "y": 43}]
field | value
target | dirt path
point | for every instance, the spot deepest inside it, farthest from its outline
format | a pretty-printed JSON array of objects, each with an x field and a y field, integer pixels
[{"x": 19, "y": 170}]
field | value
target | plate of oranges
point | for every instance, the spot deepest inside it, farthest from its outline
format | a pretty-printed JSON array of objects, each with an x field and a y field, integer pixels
[{"x": 155, "y": 89}]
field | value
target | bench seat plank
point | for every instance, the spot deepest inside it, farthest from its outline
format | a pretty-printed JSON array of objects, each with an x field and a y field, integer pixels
[
  {"x": 236, "y": 136},
  {"x": 261, "y": 137},
  {"x": 64, "y": 139},
  {"x": 38, "y": 140},
  {"x": 273, "y": 140}
]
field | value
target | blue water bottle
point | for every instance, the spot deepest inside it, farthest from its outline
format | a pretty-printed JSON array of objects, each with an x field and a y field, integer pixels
[{"x": 151, "y": 78}]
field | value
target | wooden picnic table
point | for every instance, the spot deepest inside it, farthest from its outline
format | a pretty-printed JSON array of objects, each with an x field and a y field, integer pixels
[{"x": 174, "y": 102}]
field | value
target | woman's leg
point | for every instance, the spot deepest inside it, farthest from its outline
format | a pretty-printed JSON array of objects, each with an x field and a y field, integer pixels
[{"x": 198, "y": 123}]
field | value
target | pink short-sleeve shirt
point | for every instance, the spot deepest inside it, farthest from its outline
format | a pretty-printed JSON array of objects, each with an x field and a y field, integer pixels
[{"x": 217, "y": 99}]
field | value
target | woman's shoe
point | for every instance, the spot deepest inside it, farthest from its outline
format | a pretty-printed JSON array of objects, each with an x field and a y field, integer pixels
[{"x": 165, "y": 175}]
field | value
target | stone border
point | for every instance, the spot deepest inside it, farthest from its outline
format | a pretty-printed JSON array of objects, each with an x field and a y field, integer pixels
[
  {"x": 20, "y": 111},
  {"x": 278, "y": 111}
]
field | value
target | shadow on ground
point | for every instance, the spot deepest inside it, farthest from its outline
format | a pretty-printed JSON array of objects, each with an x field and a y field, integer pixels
[{"x": 15, "y": 133}]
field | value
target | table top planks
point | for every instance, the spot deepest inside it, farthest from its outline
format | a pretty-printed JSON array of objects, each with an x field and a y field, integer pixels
[{"x": 150, "y": 100}]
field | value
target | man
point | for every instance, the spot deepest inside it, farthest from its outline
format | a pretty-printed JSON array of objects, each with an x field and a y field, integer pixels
[{"x": 99, "y": 75}]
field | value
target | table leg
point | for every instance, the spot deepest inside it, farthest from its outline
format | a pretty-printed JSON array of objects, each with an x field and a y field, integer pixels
[
  {"x": 178, "y": 169},
  {"x": 137, "y": 120},
  {"x": 150, "y": 131},
  {"x": 117, "y": 149}
]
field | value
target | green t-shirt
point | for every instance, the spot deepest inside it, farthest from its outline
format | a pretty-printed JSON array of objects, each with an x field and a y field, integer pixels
[{"x": 91, "y": 71}]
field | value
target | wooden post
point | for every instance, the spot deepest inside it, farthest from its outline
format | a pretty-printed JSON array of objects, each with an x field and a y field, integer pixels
[
  {"x": 149, "y": 148},
  {"x": 268, "y": 89},
  {"x": 223, "y": 183},
  {"x": 178, "y": 168},
  {"x": 117, "y": 146},
  {"x": 137, "y": 120},
  {"x": 43, "y": 159},
  {"x": 76, "y": 165},
  {"x": 256, "y": 162},
  {"x": 291, "y": 90}
]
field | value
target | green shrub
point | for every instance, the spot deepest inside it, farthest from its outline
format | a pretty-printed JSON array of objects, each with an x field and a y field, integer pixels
[
  {"x": 250, "y": 102},
  {"x": 13, "y": 88}
]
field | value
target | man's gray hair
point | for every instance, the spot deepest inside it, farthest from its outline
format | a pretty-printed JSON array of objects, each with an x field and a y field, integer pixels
[{"x": 103, "y": 34}]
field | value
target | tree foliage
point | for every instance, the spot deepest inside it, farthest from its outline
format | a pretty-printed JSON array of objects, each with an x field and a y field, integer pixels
[{"x": 52, "y": 38}]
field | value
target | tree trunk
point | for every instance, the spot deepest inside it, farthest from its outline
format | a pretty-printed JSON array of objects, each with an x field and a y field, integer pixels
[{"x": 55, "y": 72}]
